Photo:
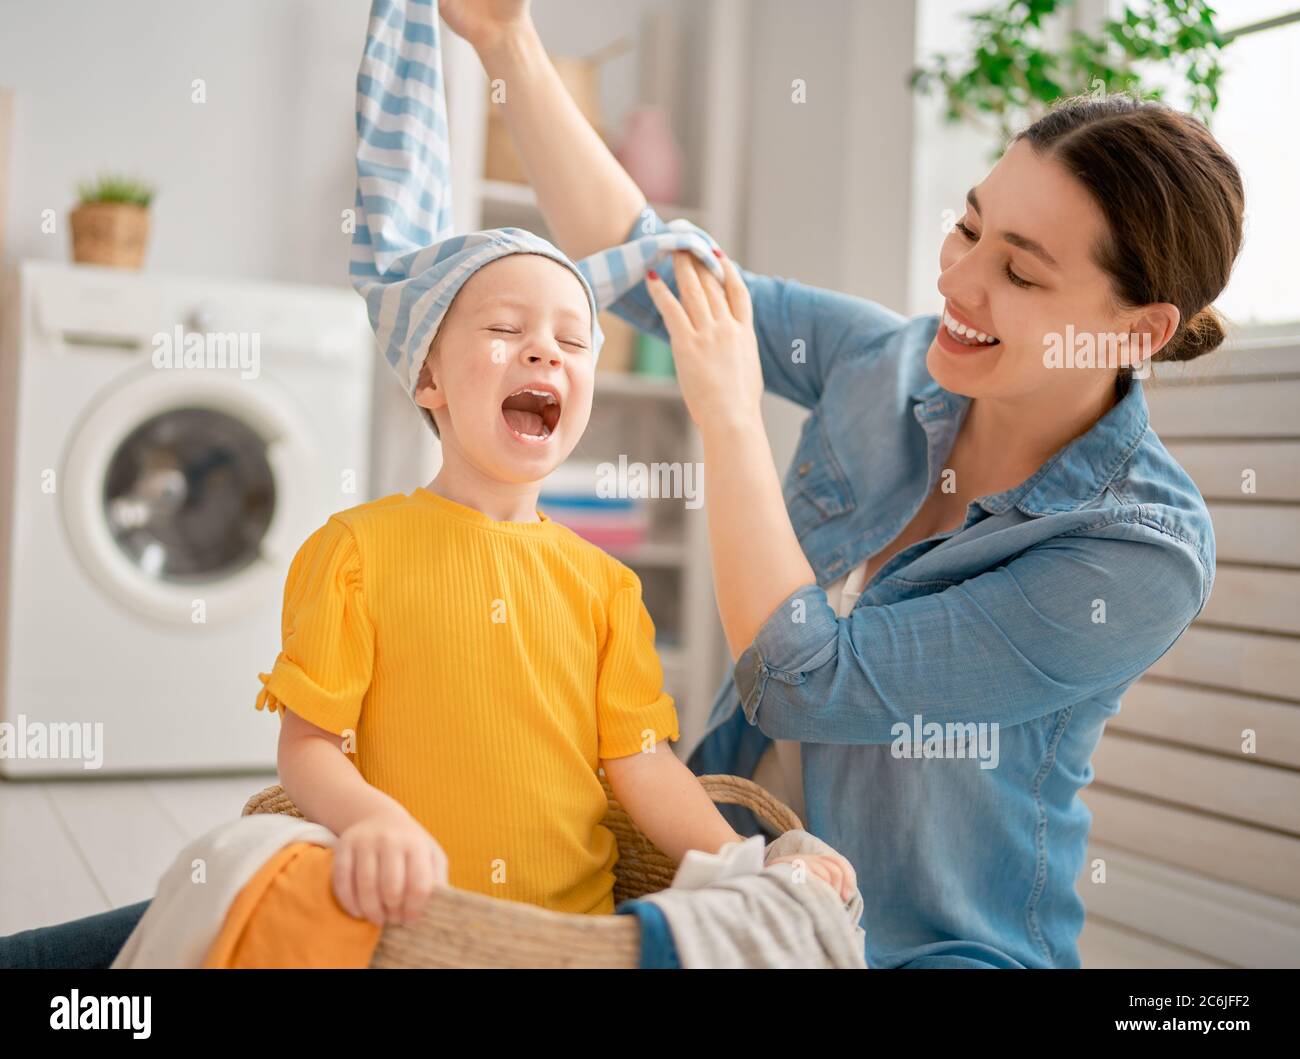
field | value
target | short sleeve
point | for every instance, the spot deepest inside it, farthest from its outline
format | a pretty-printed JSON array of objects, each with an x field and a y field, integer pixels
[
  {"x": 631, "y": 704},
  {"x": 324, "y": 666}
]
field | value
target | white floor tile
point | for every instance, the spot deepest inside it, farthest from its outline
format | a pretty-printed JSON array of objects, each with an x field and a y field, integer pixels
[
  {"x": 122, "y": 832},
  {"x": 44, "y": 877},
  {"x": 199, "y": 805},
  {"x": 70, "y": 849}
]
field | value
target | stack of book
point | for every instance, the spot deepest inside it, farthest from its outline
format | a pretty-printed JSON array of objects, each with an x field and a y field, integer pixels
[{"x": 578, "y": 496}]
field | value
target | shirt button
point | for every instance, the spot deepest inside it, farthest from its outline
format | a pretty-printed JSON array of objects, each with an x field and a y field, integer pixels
[{"x": 804, "y": 468}]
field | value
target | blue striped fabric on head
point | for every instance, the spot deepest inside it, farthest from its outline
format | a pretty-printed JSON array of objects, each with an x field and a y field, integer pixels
[{"x": 406, "y": 262}]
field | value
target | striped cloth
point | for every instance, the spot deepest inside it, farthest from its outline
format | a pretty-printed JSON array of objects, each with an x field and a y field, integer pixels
[{"x": 405, "y": 261}]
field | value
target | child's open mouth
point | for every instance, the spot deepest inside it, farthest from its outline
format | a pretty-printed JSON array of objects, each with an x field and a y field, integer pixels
[{"x": 531, "y": 413}]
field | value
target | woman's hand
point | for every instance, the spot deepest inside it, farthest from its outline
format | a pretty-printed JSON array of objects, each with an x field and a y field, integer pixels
[
  {"x": 757, "y": 559},
  {"x": 484, "y": 22},
  {"x": 386, "y": 867},
  {"x": 830, "y": 867},
  {"x": 714, "y": 347}
]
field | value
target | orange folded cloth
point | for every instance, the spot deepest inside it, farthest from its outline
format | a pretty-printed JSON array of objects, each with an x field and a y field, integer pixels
[{"x": 287, "y": 916}]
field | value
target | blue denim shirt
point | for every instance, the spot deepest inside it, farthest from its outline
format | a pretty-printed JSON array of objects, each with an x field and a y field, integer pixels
[{"x": 1035, "y": 615}]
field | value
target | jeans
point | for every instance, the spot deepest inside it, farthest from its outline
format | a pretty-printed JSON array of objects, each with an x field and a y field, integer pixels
[{"x": 84, "y": 944}]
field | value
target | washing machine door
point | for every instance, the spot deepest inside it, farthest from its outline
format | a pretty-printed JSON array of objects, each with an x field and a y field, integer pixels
[{"x": 186, "y": 493}]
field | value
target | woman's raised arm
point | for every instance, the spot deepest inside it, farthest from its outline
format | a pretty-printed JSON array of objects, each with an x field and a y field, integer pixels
[
  {"x": 590, "y": 204},
  {"x": 587, "y": 199}
]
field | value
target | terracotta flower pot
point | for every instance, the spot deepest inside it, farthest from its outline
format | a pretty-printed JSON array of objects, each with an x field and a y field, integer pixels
[{"x": 110, "y": 233}]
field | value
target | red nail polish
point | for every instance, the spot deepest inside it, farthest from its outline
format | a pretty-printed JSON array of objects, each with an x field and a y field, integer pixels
[
  {"x": 653, "y": 274},
  {"x": 717, "y": 253}
]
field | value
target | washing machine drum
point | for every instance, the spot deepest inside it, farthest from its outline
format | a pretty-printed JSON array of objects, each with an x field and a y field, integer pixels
[
  {"x": 189, "y": 494},
  {"x": 192, "y": 494}
]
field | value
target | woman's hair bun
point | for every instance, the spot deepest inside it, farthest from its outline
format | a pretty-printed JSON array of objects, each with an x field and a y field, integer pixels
[{"x": 1202, "y": 334}]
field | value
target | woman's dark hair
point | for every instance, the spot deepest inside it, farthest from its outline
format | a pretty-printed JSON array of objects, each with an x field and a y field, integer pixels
[{"x": 1172, "y": 198}]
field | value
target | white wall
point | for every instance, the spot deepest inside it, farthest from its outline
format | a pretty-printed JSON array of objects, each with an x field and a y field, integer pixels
[
  {"x": 829, "y": 185},
  {"x": 250, "y": 183}
]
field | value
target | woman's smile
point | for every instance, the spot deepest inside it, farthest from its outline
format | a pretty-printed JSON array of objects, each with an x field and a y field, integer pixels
[
  {"x": 965, "y": 332},
  {"x": 963, "y": 339}
]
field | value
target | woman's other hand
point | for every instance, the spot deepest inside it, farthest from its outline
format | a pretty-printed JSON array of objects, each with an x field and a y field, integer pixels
[
  {"x": 830, "y": 867},
  {"x": 386, "y": 867},
  {"x": 712, "y": 333},
  {"x": 484, "y": 23}
]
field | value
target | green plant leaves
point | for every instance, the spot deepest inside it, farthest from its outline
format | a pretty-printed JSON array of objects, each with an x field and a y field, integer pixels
[
  {"x": 1012, "y": 73},
  {"x": 110, "y": 188}
]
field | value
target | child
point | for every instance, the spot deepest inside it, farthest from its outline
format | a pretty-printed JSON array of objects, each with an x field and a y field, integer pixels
[{"x": 474, "y": 661}]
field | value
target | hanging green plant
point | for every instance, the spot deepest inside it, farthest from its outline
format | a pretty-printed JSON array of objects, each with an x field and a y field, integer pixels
[{"x": 1012, "y": 75}]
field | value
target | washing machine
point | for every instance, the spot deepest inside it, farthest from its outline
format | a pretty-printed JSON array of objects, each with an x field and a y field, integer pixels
[{"x": 167, "y": 445}]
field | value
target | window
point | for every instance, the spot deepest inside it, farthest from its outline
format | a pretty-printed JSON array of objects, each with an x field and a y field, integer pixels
[{"x": 1256, "y": 122}]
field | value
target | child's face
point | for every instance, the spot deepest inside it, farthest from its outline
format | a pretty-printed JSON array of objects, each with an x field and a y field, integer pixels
[{"x": 519, "y": 324}]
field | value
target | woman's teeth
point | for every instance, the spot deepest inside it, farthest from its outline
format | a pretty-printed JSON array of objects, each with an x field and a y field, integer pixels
[{"x": 967, "y": 336}]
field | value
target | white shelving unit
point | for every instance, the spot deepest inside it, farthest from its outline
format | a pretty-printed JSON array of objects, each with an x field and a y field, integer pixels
[{"x": 642, "y": 417}]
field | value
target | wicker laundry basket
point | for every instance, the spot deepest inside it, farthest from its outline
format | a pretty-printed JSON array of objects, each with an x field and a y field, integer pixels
[{"x": 466, "y": 929}]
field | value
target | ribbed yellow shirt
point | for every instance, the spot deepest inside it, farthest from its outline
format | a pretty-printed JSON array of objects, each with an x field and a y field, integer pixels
[{"x": 486, "y": 668}]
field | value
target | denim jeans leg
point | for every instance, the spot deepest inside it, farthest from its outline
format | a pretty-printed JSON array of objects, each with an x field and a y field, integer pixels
[{"x": 84, "y": 944}]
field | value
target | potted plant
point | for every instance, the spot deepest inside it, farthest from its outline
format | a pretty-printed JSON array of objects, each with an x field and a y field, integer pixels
[
  {"x": 110, "y": 225},
  {"x": 1012, "y": 74}
]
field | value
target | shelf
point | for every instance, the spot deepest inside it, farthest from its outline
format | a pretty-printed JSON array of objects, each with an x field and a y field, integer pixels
[
  {"x": 651, "y": 554},
  {"x": 630, "y": 384},
  {"x": 643, "y": 416}
]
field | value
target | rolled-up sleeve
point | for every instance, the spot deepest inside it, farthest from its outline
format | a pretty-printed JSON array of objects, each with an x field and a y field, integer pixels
[
  {"x": 324, "y": 667},
  {"x": 802, "y": 331},
  {"x": 1066, "y": 620}
]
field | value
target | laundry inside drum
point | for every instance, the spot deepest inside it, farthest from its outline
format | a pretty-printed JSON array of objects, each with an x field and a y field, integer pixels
[{"x": 189, "y": 495}]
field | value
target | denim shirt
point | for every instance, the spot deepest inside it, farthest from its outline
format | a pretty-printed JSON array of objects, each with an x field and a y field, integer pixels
[{"x": 1031, "y": 618}]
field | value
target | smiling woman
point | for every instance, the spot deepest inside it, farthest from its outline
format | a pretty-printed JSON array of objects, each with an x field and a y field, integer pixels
[{"x": 966, "y": 534}]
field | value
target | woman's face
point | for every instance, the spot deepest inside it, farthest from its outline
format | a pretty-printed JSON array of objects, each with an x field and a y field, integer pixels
[{"x": 1018, "y": 268}]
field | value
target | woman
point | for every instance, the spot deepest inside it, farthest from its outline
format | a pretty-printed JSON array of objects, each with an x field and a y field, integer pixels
[{"x": 971, "y": 534}]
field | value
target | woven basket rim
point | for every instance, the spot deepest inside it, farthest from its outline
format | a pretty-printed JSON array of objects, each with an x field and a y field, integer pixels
[{"x": 463, "y": 928}]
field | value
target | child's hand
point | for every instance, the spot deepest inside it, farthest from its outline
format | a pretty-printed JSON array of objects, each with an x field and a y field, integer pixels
[
  {"x": 386, "y": 867},
  {"x": 829, "y": 866}
]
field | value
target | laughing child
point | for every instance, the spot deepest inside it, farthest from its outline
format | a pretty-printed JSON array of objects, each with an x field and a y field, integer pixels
[
  {"x": 456, "y": 667},
  {"x": 476, "y": 662}
]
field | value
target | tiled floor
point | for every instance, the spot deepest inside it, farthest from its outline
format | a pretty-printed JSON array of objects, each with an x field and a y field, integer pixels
[{"x": 70, "y": 849}]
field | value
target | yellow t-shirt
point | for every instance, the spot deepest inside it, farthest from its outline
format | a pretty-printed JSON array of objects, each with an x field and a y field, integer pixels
[{"x": 486, "y": 668}]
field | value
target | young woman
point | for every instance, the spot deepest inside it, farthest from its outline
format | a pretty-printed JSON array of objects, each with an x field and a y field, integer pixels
[
  {"x": 972, "y": 538},
  {"x": 975, "y": 538}
]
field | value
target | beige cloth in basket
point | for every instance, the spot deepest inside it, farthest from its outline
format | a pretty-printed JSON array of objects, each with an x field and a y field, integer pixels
[{"x": 726, "y": 910}]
